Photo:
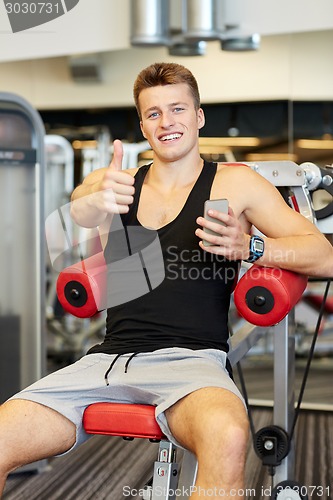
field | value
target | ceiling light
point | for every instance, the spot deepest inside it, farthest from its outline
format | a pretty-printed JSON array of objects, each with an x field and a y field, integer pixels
[
  {"x": 253, "y": 157},
  {"x": 149, "y": 23},
  {"x": 84, "y": 144},
  {"x": 188, "y": 49},
  {"x": 200, "y": 19},
  {"x": 229, "y": 141},
  {"x": 241, "y": 44},
  {"x": 314, "y": 144}
]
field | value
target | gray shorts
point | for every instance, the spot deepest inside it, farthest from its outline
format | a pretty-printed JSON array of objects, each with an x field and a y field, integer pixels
[{"x": 159, "y": 378}]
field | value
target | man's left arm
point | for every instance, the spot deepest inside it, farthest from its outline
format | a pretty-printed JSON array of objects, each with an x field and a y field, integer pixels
[{"x": 291, "y": 241}]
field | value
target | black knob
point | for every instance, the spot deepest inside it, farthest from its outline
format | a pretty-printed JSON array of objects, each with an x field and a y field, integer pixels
[
  {"x": 75, "y": 294},
  {"x": 259, "y": 300}
]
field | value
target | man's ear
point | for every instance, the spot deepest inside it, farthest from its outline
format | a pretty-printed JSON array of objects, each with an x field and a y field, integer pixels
[
  {"x": 201, "y": 118},
  {"x": 141, "y": 126}
]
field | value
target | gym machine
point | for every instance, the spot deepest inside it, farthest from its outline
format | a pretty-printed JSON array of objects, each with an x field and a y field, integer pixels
[
  {"x": 265, "y": 298},
  {"x": 68, "y": 337},
  {"x": 22, "y": 317},
  {"x": 59, "y": 184}
]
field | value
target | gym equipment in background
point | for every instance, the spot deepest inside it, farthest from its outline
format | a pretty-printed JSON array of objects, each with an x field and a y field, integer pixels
[{"x": 22, "y": 268}]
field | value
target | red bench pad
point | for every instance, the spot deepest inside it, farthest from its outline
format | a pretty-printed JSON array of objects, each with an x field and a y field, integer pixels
[
  {"x": 81, "y": 287},
  {"x": 120, "y": 419},
  {"x": 264, "y": 296}
]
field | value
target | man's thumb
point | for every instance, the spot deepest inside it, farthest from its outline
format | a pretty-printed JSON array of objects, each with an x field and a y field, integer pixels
[{"x": 118, "y": 153}]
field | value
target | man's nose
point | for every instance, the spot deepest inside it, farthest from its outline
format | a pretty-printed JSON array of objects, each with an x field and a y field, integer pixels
[{"x": 167, "y": 119}]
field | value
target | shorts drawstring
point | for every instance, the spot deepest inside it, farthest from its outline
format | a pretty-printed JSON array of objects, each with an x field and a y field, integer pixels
[
  {"x": 110, "y": 368},
  {"x": 113, "y": 363},
  {"x": 129, "y": 360}
]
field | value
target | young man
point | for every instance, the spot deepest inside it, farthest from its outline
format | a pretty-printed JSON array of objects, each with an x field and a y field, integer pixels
[{"x": 174, "y": 336}]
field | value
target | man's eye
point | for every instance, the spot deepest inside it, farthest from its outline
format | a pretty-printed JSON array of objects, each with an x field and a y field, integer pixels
[
  {"x": 153, "y": 115},
  {"x": 178, "y": 109}
]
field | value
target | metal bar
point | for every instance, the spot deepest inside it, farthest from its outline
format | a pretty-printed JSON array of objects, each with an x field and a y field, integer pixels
[
  {"x": 284, "y": 397},
  {"x": 242, "y": 340}
]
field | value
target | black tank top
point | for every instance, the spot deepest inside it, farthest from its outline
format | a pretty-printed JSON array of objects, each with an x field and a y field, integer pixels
[{"x": 190, "y": 306}]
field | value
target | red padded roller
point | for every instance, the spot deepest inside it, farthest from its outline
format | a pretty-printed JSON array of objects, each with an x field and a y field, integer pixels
[
  {"x": 264, "y": 296},
  {"x": 81, "y": 288},
  {"x": 120, "y": 419}
]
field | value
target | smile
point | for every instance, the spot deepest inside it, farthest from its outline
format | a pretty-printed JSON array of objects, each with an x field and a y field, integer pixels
[{"x": 170, "y": 137}]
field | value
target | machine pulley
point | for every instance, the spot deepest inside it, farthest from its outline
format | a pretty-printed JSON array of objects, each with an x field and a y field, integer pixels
[{"x": 271, "y": 444}]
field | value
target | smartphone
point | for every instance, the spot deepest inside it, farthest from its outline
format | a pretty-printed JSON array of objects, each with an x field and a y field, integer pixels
[{"x": 219, "y": 205}]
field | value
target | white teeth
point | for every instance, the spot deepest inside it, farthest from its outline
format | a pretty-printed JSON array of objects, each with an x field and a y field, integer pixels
[{"x": 170, "y": 137}]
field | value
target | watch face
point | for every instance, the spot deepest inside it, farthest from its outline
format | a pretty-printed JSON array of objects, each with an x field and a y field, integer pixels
[{"x": 258, "y": 246}]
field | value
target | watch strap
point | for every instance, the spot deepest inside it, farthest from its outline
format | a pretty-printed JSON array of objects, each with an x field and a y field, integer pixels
[{"x": 257, "y": 247}]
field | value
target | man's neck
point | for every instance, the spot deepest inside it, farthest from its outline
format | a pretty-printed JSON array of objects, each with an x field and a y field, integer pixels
[{"x": 174, "y": 174}]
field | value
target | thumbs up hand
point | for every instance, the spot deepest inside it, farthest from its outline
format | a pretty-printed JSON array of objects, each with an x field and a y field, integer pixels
[
  {"x": 118, "y": 154},
  {"x": 114, "y": 192}
]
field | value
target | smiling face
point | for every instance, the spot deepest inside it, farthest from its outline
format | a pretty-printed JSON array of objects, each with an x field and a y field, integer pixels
[{"x": 170, "y": 121}]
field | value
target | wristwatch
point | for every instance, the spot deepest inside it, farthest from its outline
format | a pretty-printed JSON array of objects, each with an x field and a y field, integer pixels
[{"x": 257, "y": 247}]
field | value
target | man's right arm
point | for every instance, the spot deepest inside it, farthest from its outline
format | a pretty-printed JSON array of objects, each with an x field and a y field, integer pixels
[{"x": 103, "y": 192}]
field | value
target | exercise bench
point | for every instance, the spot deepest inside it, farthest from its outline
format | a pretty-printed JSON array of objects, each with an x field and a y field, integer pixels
[{"x": 264, "y": 297}]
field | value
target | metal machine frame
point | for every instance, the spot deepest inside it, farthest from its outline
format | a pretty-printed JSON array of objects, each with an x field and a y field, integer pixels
[
  {"x": 168, "y": 483},
  {"x": 22, "y": 307}
]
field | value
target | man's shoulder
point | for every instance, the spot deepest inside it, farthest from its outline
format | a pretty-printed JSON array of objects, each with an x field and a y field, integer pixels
[
  {"x": 240, "y": 176},
  {"x": 233, "y": 171}
]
